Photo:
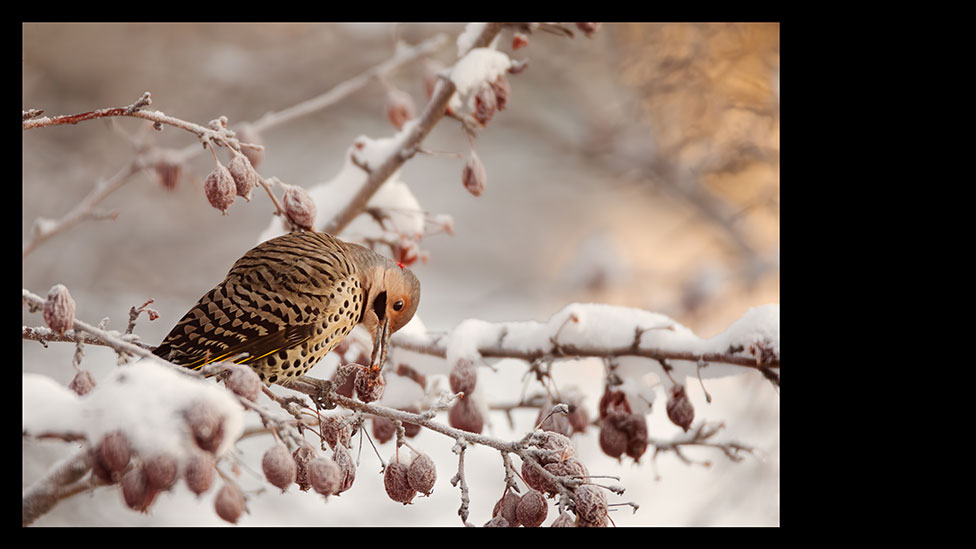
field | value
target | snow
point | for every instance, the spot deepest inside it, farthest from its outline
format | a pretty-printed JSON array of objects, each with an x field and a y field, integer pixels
[
  {"x": 466, "y": 39},
  {"x": 141, "y": 399},
  {"x": 331, "y": 197},
  {"x": 596, "y": 326},
  {"x": 478, "y": 66}
]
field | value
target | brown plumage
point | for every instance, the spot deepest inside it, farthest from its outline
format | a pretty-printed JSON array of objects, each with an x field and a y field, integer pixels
[{"x": 289, "y": 301}]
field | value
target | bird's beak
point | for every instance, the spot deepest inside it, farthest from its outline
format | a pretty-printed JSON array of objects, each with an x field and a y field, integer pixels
[{"x": 381, "y": 344}]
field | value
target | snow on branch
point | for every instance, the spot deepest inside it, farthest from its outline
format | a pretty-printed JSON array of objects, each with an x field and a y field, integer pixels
[{"x": 597, "y": 330}]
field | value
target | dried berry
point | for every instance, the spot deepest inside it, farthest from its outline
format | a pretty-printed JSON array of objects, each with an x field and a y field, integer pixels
[
  {"x": 279, "y": 467},
  {"x": 422, "y": 474},
  {"x": 464, "y": 377},
  {"x": 635, "y": 425},
  {"x": 59, "y": 309},
  {"x": 399, "y": 107},
  {"x": 220, "y": 188},
  {"x": 198, "y": 471},
  {"x": 206, "y": 424},
  {"x": 247, "y": 134},
  {"x": 161, "y": 471},
  {"x": 302, "y": 456},
  {"x": 613, "y": 401},
  {"x": 578, "y": 417},
  {"x": 299, "y": 206},
  {"x": 474, "y": 175},
  {"x": 245, "y": 178},
  {"x": 560, "y": 445},
  {"x": 114, "y": 451},
  {"x": 229, "y": 503},
  {"x": 136, "y": 490},
  {"x": 244, "y": 381},
  {"x": 347, "y": 466},
  {"x": 396, "y": 483},
  {"x": 383, "y": 429},
  {"x": 571, "y": 467},
  {"x": 464, "y": 415},
  {"x": 348, "y": 371},
  {"x": 588, "y": 28},
  {"x": 506, "y": 507},
  {"x": 564, "y": 520},
  {"x": 502, "y": 90},
  {"x": 591, "y": 504},
  {"x": 497, "y": 522},
  {"x": 519, "y": 41},
  {"x": 485, "y": 103},
  {"x": 680, "y": 410},
  {"x": 335, "y": 431},
  {"x": 82, "y": 383},
  {"x": 533, "y": 477},
  {"x": 168, "y": 171},
  {"x": 325, "y": 476},
  {"x": 99, "y": 471},
  {"x": 532, "y": 509},
  {"x": 369, "y": 384},
  {"x": 613, "y": 441}
]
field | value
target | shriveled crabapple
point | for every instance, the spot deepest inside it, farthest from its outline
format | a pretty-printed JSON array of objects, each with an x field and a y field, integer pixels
[
  {"x": 680, "y": 410},
  {"x": 229, "y": 503},
  {"x": 325, "y": 476},
  {"x": 463, "y": 377},
  {"x": 136, "y": 490},
  {"x": 168, "y": 170},
  {"x": 533, "y": 477},
  {"x": 613, "y": 440},
  {"x": 279, "y": 466},
  {"x": 114, "y": 451},
  {"x": 506, "y": 507},
  {"x": 220, "y": 188},
  {"x": 497, "y": 522},
  {"x": 206, "y": 424},
  {"x": 245, "y": 178},
  {"x": 564, "y": 520},
  {"x": 244, "y": 382},
  {"x": 82, "y": 383},
  {"x": 335, "y": 431},
  {"x": 422, "y": 474},
  {"x": 161, "y": 471},
  {"x": 502, "y": 90},
  {"x": 369, "y": 384},
  {"x": 485, "y": 103},
  {"x": 347, "y": 466},
  {"x": 59, "y": 309},
  {"x": 591, "y": 504},
  {"x": 199, "y": 471},
  {"x": 532, "y": 509},
  {"x": 299, "y": 206},
  {"x": 474, "y": 175},
  {"x": 397, "y": 484},
  {"x": 465, "y": 415},
  {"x": 348, "y": 374},
  {"x": 302, "y": 456}
]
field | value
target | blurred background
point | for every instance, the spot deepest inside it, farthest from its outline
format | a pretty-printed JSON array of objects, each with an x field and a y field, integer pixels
[{"x": 636, "y": 167}]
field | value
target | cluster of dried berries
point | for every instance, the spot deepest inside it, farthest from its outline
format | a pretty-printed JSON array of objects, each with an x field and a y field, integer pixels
[
  {"x": 557, "y": 457},
  {"x": 322, "y": 474},
  {"x": 141, "y": 478},
  {"x": 403, "y": 481},
  {"x": 621, "y": 430},
  {"x": 680, "y": 410}
]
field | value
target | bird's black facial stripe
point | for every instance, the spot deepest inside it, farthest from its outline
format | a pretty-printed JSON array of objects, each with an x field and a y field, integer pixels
[
  {"x": 362, "y": 315},
  {"x": 379, "y": 306}
]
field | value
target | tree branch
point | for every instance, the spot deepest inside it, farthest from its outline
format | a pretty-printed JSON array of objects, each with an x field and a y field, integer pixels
[{"x": 432, "y": 114}]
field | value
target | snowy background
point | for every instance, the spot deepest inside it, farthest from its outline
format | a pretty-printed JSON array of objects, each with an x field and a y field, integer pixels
[{"x": 587, "y": 200}]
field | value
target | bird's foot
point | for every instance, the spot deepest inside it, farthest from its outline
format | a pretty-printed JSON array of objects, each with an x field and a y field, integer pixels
[{"x": 322, "y": 393}]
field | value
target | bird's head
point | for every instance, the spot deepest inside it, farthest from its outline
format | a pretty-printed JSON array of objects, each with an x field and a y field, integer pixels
[{"x": 392, "y": 296}]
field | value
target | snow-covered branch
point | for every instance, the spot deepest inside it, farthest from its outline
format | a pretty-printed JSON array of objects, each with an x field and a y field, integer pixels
[{"x": 595, "y": 330}]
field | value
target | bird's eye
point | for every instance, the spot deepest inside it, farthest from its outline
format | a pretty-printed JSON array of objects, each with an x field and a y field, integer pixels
[{"x": 398, "y": 305}]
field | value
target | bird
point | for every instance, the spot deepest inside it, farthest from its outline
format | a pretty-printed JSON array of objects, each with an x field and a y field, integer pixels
[{"x": 289, "y": 301}]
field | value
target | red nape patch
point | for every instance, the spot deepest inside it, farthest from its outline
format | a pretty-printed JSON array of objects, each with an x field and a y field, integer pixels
[{"x": 400, "y": 265}]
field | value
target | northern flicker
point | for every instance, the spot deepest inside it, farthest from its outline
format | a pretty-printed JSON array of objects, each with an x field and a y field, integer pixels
[{"x": 289, "y": 301}]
